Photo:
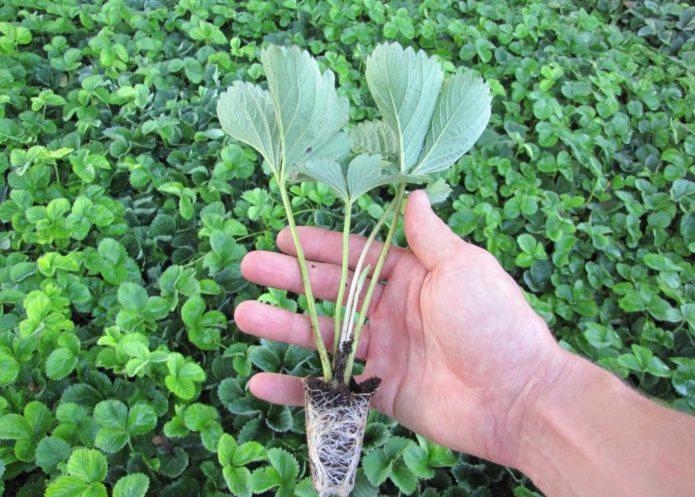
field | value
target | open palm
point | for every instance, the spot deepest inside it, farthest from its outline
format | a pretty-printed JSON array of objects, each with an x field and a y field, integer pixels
[{"x": 460, "y": 352}]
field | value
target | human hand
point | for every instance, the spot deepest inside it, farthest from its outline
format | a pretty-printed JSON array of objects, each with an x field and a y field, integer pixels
[{"x": 461, "y": 354}]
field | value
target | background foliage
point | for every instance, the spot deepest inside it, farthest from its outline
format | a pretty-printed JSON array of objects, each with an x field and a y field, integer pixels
[{"x": 125, "y": 213}]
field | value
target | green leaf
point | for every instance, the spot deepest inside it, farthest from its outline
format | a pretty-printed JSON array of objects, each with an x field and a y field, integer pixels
[
  {"x": 264, "y": 479},
  {"x": 173, "y": 463},
  {"x": 404, "y": 479},
  {"x": 377, "y": 467},
  {"x": 175, "y": 427},
  {"x": 405, "y": 86},
  {"x": 225, "y": 252},
  {"x": 14, "y": 427},
  {"x": 132, "y": 297},
  {"x": 87, "y": 465},
  {"x": 416, "y": 460},
  {"x": 38, "y": 416},
  {"x": 247, "y": 114},
  {"x": 67, "y": 486},
  {"x": 111, "y": 414},
  {"x": 50, "y": 452},
  {"x": 285, "y": 464},
  {"x": 111, "y": 440},
  {"x": 9, "y": 367},
  {"x": 309, "y": 112},
  {"x": 238, "y": 480},
  {"x": 226, "y": 448},
  {"x": 199, "y": 417},
  {"x": 460, "y": 116},
  {"x": 527, "y": 243},
  {"x": 133, "y": 485},
  {"x": 141, "y": 419},
  {"x": 60, "y": 363},
  {"x": 249, "y": 452},
  {"x": 183, "y": 376}
]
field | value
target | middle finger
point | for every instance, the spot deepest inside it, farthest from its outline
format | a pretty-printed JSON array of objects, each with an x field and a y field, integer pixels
[{"x": 282, "y": 271}]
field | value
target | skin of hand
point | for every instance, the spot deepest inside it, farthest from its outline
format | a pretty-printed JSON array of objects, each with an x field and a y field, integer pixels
[{"x": 462, "y": 356}]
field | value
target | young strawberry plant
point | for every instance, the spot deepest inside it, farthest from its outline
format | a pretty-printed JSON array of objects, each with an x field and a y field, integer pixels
[{"x": 298, "y": 126}]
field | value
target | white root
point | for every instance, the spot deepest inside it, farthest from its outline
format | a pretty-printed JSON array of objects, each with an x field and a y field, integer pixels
[
  {"x": 335, "y": 423},
  {"x": 353, "y": 299}
]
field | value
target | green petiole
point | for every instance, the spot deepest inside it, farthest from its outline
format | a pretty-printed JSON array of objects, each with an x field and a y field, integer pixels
[
  {"x": 343, "y": 281},
  {"x": 311, "y": 302}
]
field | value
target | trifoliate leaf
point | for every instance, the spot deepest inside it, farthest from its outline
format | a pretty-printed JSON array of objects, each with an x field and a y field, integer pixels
[
  {"x": 460, "y": 116},
  {"x": 405, "y": 86},
  {"x": 247, "y": 114},
  {"x": 183, "y": 376}
]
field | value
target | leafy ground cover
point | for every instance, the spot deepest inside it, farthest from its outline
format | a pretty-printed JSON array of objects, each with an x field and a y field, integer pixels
[{"x": 125, "y": 212}]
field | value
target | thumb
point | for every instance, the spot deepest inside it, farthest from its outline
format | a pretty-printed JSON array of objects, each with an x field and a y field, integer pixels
[{"x": 428, "y": 236}]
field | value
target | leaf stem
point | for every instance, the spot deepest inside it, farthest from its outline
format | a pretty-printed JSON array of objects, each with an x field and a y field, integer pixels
[
  {"x": 343, "y": 280},
  {"x": 311, "y": 302},
  {"x": 374, "y": 281}
]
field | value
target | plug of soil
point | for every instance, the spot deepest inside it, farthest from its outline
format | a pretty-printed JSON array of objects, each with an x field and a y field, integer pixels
[{"x": 336, "y": 416}]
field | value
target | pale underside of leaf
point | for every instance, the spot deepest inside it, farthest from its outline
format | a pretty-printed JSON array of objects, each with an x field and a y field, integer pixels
[
  {"x": 462, "y": 112},
  {"x": 328, "y": 172},
  {"x": 374, "y": 137},
  {"x": 438, "y": 191},
  {"x": 404, "y": 85},
  {"x": 364, "y": 173},
  {"x": 309, "y": 111},
  {"x": 247, "y": 114}
]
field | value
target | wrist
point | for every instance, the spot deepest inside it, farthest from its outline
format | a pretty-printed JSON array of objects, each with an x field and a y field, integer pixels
[
  {"x": 517, "y": 421},
  {"x": 559, "y": 425},
  {"x": 552, "y": 378}
]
